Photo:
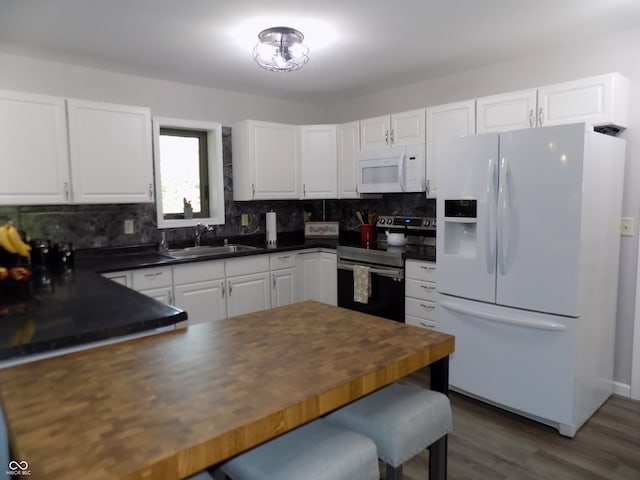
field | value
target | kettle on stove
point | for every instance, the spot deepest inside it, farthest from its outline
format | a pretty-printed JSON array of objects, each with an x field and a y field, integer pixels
[{"x": 396, "y": 239}]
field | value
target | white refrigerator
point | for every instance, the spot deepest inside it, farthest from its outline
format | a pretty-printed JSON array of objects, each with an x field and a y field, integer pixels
[{"x": 527, "y": 256}]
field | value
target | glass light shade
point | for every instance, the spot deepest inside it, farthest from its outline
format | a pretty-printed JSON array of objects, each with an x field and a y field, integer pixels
[{"x": 281, "y": 50}]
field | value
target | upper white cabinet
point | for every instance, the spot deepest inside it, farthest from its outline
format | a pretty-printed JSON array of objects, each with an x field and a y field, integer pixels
[
  {"x": 265, "y": 161},
  {"x": 406, "y": 128},
  {"x": 599, "y": 100},
  {"x": 319, "y": 161},
  {"x": 507, "y": 111},
  {"x": 57, "y": 151},
  {"x": 348, "y": 147},
  {"x": 110, "y": 147},
  {"x": 33, "y": 150},
  {"x": 446, "y": 121}
]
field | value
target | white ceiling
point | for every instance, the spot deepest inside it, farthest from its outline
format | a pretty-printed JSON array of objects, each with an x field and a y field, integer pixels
[{"x": 357, "y": 46}]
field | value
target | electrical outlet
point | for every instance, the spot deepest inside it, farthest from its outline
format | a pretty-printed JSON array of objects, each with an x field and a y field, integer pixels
[
  {"x": 244, "y": 219},
  {"x": 627, "y": 226},
  {"x": 128, "y": 227}
]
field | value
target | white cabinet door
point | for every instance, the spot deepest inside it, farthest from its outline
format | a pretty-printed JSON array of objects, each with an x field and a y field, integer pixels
[
  {"x": 319, "y": 161},
  {"x": 110, "y": 148},
  {"x": 33, "y": 150},
  {"x": 265, "y": 161},
  {"x": 446, "y": 121},
  {"x": 408, "y": 128},
  {"x": 308, "y": 273},
  {"x": 404, "y": 128},
  {"x": 508, "y": 111},
  {"x": 283, "y": 287},
  {"x": 600, "y": 100},
  {"x": 203, "y": 301},
  {"x": 162, "y": 294},
  {"x": 348, "y": 147},
  {"x": 375, "y": 131},
  {"x": 123, "y": 278},
  {"x": 328, "y": 278},
  {"x": 248, "y": 294}
]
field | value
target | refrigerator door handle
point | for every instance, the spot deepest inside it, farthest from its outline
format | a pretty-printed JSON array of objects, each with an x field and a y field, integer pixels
[
  {"x": 492, "y": 317},
  {"x": 490, "y": 251},
  {"x": 503, "y": 208}
]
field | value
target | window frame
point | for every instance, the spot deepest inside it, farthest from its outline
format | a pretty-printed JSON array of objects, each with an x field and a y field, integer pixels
[{"x": 213, "y": 133}]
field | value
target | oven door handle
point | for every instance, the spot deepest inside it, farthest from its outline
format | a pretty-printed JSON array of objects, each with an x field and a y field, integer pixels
[{"x": 387, "y": 272}]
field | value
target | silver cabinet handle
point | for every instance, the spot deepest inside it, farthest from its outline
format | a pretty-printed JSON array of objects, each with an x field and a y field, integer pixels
[
  {"x": 150, "y": 191},
  {"x": 171, "y": 302},
  {"x": 386, "y": 137},
  {"x": 65, "y": 189},
  {"x": 428, "y": 287},
  {"x": 427, "y": 307},
  {"x": 304, "y": 189},
  {"x": 392, "y": 140},
  {"x": 222, "y": 287},
  {"x": 540, "y": 117},
  {"x": 286, "y": 257},
  {"x": 273, "y": 275},
  {"x": 531, "y": 119},
  {"x": 152, "y": 275},
  {"x": 230, "y": 287},
  {"x": 253, "y": 190},
  {"x": 428, "y": 269}
]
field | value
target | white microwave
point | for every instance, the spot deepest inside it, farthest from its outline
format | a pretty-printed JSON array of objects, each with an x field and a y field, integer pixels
[{"x": 391, "y": 169}]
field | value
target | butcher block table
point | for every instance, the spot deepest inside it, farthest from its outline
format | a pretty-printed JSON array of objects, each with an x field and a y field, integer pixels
[{"x": 170, "y": 405}]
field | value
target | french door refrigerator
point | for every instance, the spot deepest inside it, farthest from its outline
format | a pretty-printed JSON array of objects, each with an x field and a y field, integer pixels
[{"x": 527, "y": 254}]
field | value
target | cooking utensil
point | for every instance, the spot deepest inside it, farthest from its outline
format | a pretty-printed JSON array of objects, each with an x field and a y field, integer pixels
[{"x": 359, "y": 216}]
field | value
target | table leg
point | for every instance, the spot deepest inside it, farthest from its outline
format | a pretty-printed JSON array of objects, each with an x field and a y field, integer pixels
[{"x": 438, "y": 450}]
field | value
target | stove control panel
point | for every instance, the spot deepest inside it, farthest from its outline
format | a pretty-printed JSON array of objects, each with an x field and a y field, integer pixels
[{"x": 412, "y": 223}]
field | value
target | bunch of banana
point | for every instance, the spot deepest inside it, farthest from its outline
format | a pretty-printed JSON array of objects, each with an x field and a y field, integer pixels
[{"x": 10, "y": 240}]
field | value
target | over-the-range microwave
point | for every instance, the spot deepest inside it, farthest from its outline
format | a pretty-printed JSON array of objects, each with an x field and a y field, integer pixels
[{"x": 391, "y": 169}]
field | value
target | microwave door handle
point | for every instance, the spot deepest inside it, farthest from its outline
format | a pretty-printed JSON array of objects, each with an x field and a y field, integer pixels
[{"x": 401, "y": 172}]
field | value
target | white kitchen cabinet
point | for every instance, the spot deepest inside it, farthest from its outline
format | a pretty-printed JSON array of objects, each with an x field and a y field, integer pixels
[
  {"x": 317, "y": 276},
  {"x": 110, "y": 152},
  {"x": 405, "y": 128},
  {"x": 348, "y": 148},
  {"x": 33, "y": 150},
  {"x": 156, "y": 282},
  {"x": 319, "y": 161},
  {"x": 507, "y": 111},
  {"x": 420, "y": 293},
  {"x": 199, "y": 289},
  {"x": 445, "y": 121},
  {"x": 123, "y": 278},
  {"x": 248, "y": 285},
  {"x": 283, "y": 278},
  {"x": 266, "y": 162},
  {"x": 601, "y": 101}
]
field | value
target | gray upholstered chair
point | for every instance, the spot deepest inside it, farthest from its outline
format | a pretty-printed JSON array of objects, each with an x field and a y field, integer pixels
[
  {"x": 315, "y": 451},
  {"x": 401, "y": 420}
]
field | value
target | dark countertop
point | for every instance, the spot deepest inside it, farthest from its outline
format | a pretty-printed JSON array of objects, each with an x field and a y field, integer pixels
[{"x": 62, "y": 308}]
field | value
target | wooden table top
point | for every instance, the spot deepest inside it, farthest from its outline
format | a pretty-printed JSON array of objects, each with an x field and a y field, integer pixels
[{"x": 170, "y": 405}]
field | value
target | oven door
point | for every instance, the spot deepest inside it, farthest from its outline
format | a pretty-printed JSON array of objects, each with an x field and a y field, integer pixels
[{"x": 387, "y": 291}]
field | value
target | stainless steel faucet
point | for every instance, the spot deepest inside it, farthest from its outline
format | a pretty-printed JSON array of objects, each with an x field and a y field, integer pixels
[{"x": 202, "y": 229}]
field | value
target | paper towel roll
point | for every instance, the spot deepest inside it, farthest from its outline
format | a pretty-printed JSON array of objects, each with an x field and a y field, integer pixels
[{"x": 272, "y": 234}]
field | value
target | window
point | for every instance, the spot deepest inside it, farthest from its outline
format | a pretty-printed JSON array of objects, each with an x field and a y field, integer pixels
[
  {"x": 184, "y": 173},
  {"x": 188, "y": 169}
]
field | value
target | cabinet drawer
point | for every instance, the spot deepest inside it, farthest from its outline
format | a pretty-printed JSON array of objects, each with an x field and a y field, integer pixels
[
  {"x": 123, "y": 278},
  {"x": 198, "y": 272},
  {"x": 421, "y": 270},
  {"x": 419, "y": 322},
  {"x": 423, "y": 309},
  {"x": 282, "y": 260},
  {"x": 247, "y": 265},
  {"x": 420, "y": 290},
  {"x": 151, "y": 278}
]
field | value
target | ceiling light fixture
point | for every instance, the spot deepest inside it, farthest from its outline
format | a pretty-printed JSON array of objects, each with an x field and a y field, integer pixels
[{"x": 281, "y": 49}]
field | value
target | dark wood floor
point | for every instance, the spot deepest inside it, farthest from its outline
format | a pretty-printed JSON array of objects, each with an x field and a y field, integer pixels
[{"x": 490, "y": 443}]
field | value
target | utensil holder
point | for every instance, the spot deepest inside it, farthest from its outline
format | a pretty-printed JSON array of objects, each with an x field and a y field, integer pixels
[{"x": 366, "y": 233}]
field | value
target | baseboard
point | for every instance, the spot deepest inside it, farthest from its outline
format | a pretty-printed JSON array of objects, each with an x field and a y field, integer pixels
[{"x": 622, "y": 389}]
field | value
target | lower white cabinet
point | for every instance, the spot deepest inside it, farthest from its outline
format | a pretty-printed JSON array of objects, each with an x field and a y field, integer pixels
[
  {"x": 199, "y": 289},
  {"x": 283, "y": 278},
  {"x": 154, "y": 282},
  {"x": 420, "y": 293},
  {"x": 318, "y": 278},
  {"x": 248, "y": 287}
]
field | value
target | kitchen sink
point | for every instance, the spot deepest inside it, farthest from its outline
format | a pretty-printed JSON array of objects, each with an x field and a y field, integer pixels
[{"x": 208, "y": 250}]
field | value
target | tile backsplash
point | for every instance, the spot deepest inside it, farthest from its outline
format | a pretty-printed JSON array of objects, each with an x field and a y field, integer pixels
[{"x": 89, "y": 226}]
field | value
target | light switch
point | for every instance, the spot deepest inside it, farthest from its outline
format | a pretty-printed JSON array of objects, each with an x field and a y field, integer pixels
[
  {"x": 244, "y": 219},
  {"x": 128, "y": 227},
  {"x": 627, "y": 226}
]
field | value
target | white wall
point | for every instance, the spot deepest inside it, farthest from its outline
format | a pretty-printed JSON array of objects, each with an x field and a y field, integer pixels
[
  {"x": 613, "y": 53},
  {"x": 167, "y": 99}
]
